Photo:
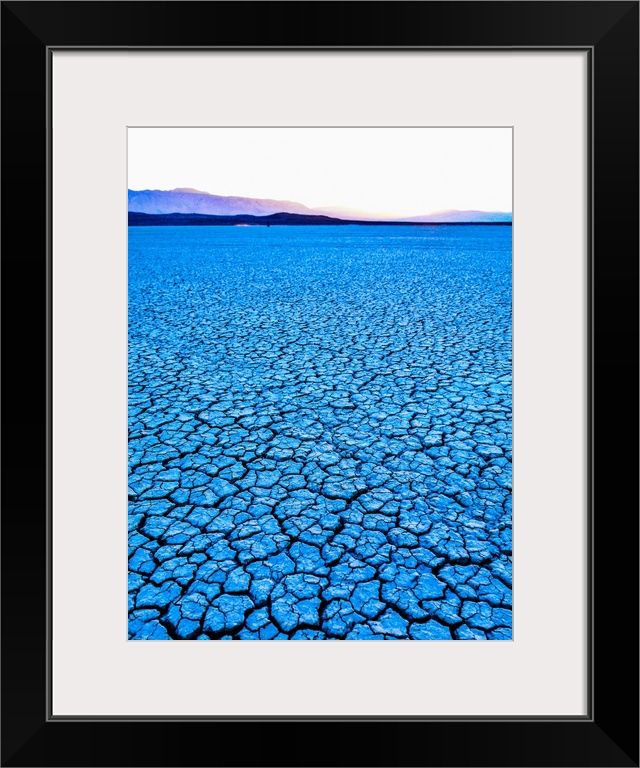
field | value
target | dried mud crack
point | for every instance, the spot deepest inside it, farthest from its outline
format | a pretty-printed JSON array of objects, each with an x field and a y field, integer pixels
[{"x": 320, "y": 434}]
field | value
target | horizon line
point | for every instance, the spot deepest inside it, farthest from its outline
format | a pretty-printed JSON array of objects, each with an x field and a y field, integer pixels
[
  {"x": 284, "y": 218},
  {"x": 346, "y": 208}
]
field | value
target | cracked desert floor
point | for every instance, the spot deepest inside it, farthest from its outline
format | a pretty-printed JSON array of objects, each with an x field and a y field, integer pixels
[{"x": 320, "y": 433}]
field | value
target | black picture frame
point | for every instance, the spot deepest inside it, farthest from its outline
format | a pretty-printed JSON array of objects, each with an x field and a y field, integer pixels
[{"x": 608, "y": 735}]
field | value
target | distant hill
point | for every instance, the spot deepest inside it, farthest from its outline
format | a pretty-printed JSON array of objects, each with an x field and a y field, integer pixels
[
  {"x": 483, "y": 217},
  {"x": 201, "y": 219},
  {"x": 193, "y": 201}
]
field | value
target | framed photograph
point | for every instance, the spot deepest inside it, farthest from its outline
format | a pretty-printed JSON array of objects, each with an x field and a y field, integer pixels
[{"x": 317, "y": 321}]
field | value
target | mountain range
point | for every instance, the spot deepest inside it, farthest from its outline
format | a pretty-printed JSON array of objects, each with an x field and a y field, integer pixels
[{"x": 193, "y": 201}]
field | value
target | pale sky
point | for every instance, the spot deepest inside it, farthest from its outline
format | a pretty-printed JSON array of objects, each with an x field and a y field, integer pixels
[{"x": 397, "y": 171}]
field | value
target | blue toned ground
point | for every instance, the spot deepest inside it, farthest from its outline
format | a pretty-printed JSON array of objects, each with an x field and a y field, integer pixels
[{"x": 320, "y": 433}]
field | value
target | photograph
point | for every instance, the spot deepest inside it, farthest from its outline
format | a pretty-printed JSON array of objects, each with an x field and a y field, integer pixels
[{"x": 320, "y": 383}]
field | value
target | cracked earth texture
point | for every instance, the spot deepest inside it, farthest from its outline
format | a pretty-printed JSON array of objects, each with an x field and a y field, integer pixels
[{"x": 320, "y": 433}]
